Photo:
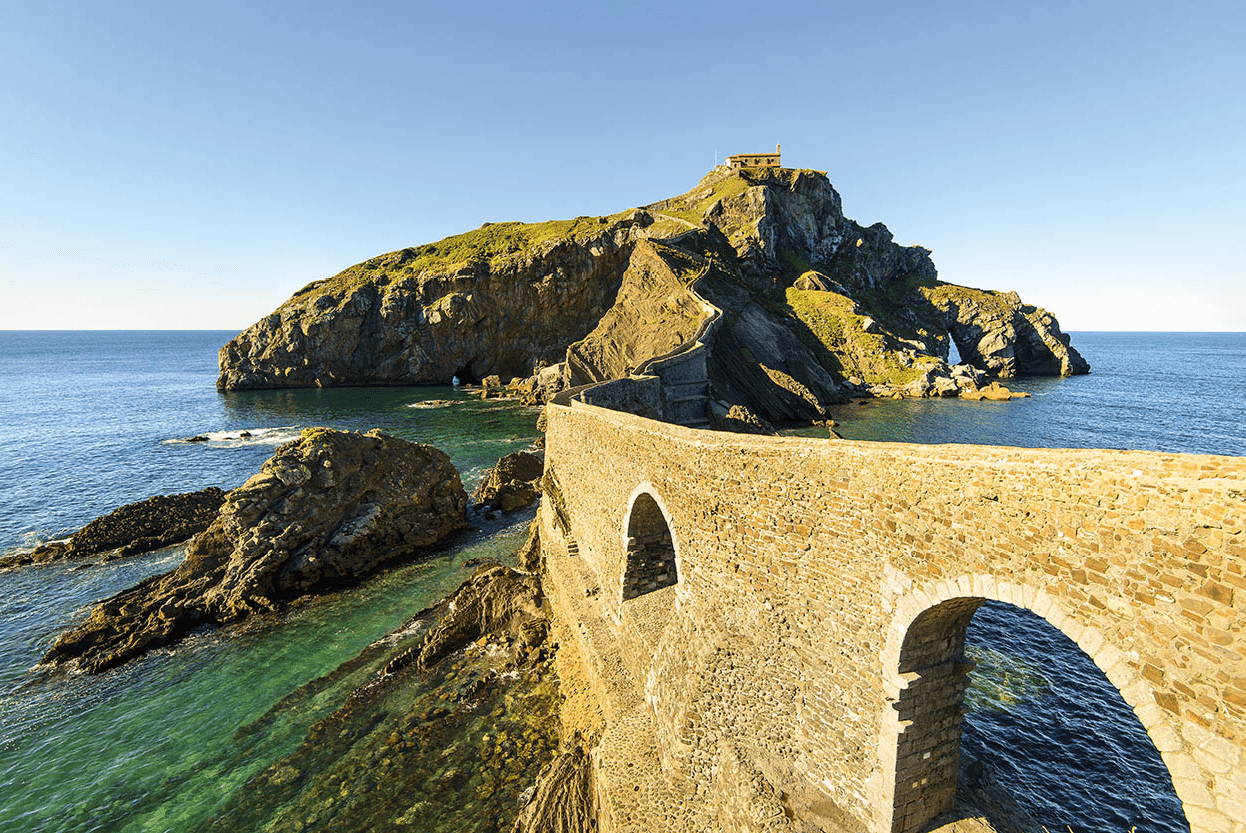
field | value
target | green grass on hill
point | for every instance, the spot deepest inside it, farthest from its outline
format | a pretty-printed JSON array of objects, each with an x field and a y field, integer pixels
[
  {"x": 491, "y": 245},
  {"x": 832, "y": 319},
  {"x": 692, "y": 206}
]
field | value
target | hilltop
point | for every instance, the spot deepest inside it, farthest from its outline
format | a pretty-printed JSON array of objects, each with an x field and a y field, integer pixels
[{"x": 815, "y": 307}]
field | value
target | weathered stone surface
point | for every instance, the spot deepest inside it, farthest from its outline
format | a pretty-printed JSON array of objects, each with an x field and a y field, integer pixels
[
  {"x": 821, "y": 594},
  {"x": 133, "y": 529},
  {"x": 494, "y": 600},
  {"x": 566, "y": 303},
  {"x": 407, "y": 317},
  {"x": 324, "y": 510},
  {"x": 654, "y": 312},
  {"x": 997, "y": 332},
  {"x": 564, "y": 800},
  {"x": 740, "y": 419},
  {"x": 513, "y": 483},
  {"x": 528, "y": 557},
  {"x": 994, "y": 392}
]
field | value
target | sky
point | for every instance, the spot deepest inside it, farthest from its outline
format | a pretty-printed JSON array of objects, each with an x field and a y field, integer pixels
[{"x": 170, "y": 165}]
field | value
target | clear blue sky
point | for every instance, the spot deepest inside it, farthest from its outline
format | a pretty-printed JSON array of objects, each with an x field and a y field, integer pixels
[{"x": 191, "y": 165}]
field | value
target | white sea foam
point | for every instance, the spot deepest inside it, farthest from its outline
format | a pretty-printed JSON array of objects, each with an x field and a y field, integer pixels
[
  {"x": 436, "y": 403},
  {"x": 410, "y": 630},
  {"x": 240, "y": 437}
]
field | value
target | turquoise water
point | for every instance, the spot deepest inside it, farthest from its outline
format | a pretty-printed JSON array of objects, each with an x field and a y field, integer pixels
[{"x": 96, "y": 420}]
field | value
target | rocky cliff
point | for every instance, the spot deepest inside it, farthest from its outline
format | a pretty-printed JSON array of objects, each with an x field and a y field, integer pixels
[
  {"x": 816, "y": 308},
  {"x": 324, "y": 510}
]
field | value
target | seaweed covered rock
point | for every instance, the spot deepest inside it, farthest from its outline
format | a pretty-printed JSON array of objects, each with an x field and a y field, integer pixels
[
  {"x": 324, "y": 511},
  {"x": 436, "y": 746},
  {"x": 133, "y": 529}
]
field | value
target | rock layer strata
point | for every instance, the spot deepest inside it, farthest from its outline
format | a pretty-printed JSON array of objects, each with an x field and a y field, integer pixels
[
  {"x": 133, "y": 529},
  {"x": 323, "y": 511},
  {"x": 817, "y": 308}
]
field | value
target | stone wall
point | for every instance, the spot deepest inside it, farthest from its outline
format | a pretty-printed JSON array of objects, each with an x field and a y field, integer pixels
[{"x": 816, "y": 626}]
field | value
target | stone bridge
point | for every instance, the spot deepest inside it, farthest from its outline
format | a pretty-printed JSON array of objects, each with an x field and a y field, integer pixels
[{"x": 774, "y": 627}]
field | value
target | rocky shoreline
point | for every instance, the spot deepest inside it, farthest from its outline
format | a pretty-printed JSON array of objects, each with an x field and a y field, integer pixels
[
  {"x": 133, "y": 529},
  {"x": 325, "y": 510},
  {"x": 476, "y": 714},
  {"x": 455, "y": 717}
]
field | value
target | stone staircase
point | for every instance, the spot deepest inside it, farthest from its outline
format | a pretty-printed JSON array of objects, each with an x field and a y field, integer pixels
[{"x": 682, "y": 379}]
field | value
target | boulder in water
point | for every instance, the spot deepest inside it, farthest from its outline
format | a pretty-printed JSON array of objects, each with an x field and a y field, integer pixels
[
  {"x": 513, "y": 483},
  {"x": 324, "y": 511}
]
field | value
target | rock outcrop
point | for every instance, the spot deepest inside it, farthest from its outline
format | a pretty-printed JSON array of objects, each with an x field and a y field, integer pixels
[
  {"x": 564, "y": 799},
  {"x": 513, "y": 483},
  {"x": 435, "y": 745},
  {"x": 133, "y": 529},
  {"x": 495, "y": 600},
  {"x": 503, "y": 300},
  {"x": 816, "y": 308},
  {"x": 323, "y": 511}
]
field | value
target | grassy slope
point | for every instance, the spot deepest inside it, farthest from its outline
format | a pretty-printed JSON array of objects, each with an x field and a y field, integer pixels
[
  {"x": 832, "y": 319},
  {"x": 492, "y": 244}
]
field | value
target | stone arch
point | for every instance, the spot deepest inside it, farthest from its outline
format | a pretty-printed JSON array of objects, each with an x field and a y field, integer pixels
[
  {"x": 926, "y": 675},
  {"x": 651, "y": 559}
]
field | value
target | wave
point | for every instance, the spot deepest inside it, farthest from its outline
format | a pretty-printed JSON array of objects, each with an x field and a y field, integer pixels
[
  {"x": 436, "y": 403},
  {"x": 241, "y": 437}
]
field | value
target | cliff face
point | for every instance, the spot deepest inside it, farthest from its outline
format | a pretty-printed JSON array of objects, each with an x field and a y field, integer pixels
[
  {"x": 499, "y": 300},
  {"x": 816, "y": 307}
]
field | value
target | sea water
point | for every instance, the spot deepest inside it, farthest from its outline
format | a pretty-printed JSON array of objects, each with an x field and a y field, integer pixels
[
  {"x": 1041, "y": 715},
  {"x": 95, "y": 420},
  {"x": 98, "y": 419}
]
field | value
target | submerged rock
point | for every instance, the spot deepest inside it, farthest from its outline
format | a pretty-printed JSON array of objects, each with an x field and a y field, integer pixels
[
  {"x": 513, "y": 483},
  {"x": 323, "y": 511},
  {"x": 133, "y": 529},
  {"x": 443, "y": 745}
]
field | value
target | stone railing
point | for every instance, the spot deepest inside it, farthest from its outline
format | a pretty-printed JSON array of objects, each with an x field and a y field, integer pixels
[{"x": 673, "y": 387}]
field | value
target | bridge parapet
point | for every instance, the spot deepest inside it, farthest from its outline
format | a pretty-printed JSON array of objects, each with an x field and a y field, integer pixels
[{"x": 814, "y": 634}]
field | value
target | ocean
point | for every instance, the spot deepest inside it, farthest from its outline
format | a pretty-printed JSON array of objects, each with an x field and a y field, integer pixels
[{"x": 98, "y": 419}]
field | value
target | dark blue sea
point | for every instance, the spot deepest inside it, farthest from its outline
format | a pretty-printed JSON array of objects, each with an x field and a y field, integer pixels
[{"x": 98, "y": 419}]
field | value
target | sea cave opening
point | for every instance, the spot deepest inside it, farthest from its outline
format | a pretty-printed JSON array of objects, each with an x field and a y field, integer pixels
[{"x": 466, "y": 376}]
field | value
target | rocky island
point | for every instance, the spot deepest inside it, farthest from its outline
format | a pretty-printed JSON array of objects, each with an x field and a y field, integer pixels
[
  {"x": 808, "y": 307},
  {"x": 325, "y": 510},
  {"x": 133, "y": 529},
  {"x": 554, "y": 694}
]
